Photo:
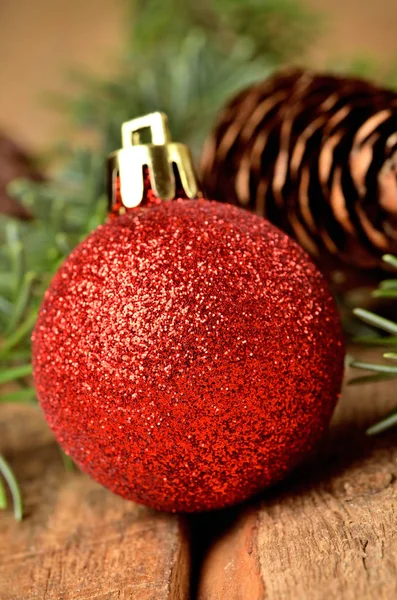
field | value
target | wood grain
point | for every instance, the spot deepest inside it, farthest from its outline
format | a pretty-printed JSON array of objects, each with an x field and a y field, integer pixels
[
  {"x": 330, "y": 531},
  {"x": 79, "y": 541}
]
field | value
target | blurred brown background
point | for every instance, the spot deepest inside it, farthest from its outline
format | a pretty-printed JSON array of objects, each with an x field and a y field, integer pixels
[{"x": 41, "y": 40}]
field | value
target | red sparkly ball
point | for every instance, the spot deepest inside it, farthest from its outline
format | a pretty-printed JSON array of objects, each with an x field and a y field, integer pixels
[{"x": 187, "y": 355}]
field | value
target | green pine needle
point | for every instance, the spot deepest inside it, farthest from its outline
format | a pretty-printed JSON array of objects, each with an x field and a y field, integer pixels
[
  {"x": 15, "y": 373},
  {"x": 379, "y": 368},
  {"x": 388, "y": 284},
  {"x": 390, "y": 355},
  {"x": 383, "y": 425},
  {"x": 6, "y": 472},
  {"x": 375, "y": 320},
  {"x": 22, "y": 301},
  {"x": 390, "y": 260},
  {"x": 20, "y": 333},
  {"x": 67, "y": 462},
  {"x": 386, "y": 289},
  {"x": 23, "y": 395},
  {"x": 385, "y": 293}
]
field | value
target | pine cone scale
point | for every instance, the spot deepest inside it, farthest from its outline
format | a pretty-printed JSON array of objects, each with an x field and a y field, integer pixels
[{"x": 316, "y": 154}]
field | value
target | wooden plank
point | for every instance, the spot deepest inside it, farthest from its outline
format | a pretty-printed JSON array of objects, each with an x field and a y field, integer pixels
[
  {"x": 330, "y": 531},
  {"x": 79, "y": 541}
]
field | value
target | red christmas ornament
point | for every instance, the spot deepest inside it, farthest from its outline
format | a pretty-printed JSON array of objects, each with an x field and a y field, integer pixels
[{"x": 187, "y": 354}]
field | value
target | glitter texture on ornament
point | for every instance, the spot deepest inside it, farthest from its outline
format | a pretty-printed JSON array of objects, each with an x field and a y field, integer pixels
[{"x": 188, "y": 355}]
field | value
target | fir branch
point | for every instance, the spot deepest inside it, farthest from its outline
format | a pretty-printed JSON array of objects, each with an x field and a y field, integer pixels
[{"x": 386, "y": 289}]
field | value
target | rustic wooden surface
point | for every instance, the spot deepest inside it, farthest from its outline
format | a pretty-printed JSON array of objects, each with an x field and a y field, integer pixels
[
  {"x": 330, "y": 531},
  {"x": 79, "y": 541}
]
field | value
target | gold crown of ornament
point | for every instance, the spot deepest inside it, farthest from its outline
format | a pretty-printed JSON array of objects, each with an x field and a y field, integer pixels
[{"x": 161, "y": 156}]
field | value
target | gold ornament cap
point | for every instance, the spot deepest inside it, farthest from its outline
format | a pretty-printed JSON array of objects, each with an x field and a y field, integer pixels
[{"x": 161, "y": 156}]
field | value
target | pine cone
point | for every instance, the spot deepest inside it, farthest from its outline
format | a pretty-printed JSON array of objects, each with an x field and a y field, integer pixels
[
  {"x": 14, "y": 163},
  {"x": 316, "y": 155}
]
